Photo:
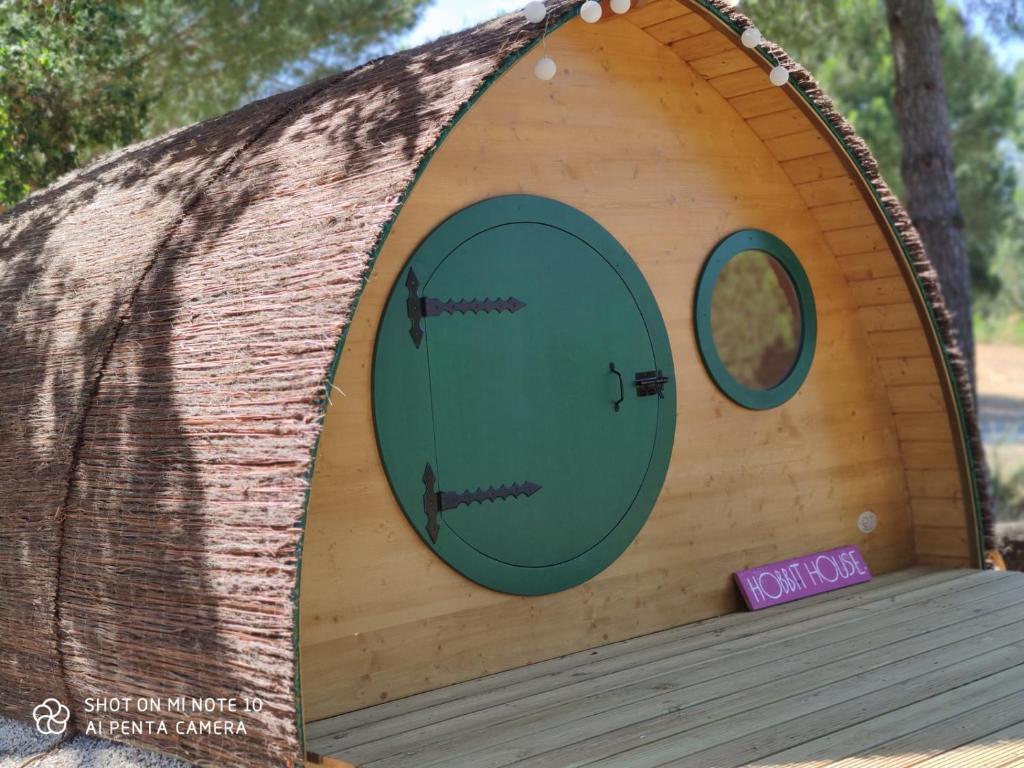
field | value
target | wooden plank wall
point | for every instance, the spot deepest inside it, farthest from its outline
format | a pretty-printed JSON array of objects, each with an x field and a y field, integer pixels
[
  {"x": 639, "y": 140},
  {"x": 889, "y": 309}
]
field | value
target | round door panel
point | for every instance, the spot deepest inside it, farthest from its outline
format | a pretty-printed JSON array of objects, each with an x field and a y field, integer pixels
[
  {"x": 523, "y": 395},
  {"x": 530, "y": 397}
]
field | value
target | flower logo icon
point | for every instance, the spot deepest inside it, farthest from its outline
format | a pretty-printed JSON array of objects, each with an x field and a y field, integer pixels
[{"x": 51, "y": 717}]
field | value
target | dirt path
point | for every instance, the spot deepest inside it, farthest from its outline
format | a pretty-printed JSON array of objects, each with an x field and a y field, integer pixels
[
  {"x": 1001, "y": 393},
  {"x": 1001, "y": 406}
]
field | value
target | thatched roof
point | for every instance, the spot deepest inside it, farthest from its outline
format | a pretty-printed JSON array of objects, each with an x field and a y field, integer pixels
[{"x": 170, "y": 315}]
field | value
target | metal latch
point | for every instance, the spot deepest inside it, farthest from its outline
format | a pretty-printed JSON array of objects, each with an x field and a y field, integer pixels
[{"x": 649, "y": 383}]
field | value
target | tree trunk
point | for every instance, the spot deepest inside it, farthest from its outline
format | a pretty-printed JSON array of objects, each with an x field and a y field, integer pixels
[{"x": 928, "y": 170}]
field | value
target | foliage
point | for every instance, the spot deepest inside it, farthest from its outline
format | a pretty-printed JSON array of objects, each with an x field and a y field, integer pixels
[
  {"x": 203, "y": 58},
  {"x": 846, "y": 44},
  {"x": 999, "y": 326},
  {"x": 1008, "y": 495},
  {"x": 81, "y": 76},
  {"x": 1007, "y": 308},
  {"x": 69, "y": 80}
]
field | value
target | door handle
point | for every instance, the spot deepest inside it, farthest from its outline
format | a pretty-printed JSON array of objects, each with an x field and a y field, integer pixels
[{"x": 622, "y": 388}]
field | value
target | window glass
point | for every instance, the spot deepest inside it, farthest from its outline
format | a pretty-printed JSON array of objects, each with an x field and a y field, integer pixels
[{"x": 755, "y": 320}]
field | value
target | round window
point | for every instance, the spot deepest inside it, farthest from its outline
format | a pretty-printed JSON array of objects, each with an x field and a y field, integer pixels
[
  {"x": 523, "y": 395},
  {"x": 755, "y": 319}
]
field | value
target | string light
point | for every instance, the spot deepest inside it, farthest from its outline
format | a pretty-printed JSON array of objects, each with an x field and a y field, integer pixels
[
  {"x": 545, "y": 68},
  {"x": 536, "y": 11},
  {"x": 751, "y": 37},
  {"x": 590, "y": 11},
  {"x": 779, "y": 76}
]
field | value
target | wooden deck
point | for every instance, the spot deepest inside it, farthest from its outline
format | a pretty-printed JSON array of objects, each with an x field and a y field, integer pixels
[{"x": 919, "y": 668}]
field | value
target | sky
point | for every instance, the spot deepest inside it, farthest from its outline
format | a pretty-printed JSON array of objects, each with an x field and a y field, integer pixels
[
  {"x": 1009, "y": 53},
  {"x": 452, "y": 15}
]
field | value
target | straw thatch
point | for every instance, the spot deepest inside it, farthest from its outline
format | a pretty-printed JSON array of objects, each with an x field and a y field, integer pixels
[{"x": 168, "y": 318}]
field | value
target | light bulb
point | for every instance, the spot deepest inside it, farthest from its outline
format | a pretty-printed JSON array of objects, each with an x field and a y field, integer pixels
[
  {"x": 590, "y": 11},
  {"x": 535, "y": 11},
  {"x": 621, "y": 6},
  {"x": 752, "y": 37},
  {"x": 779, "y": 76},
  {"x": 545, "y": 68},
  {"x": 867, "y": 522}
]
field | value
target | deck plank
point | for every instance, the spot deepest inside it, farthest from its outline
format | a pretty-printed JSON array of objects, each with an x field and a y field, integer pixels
[
  {"x": 931, "y": 727},
  {"x": 913, "y": 668},
  {"x": 400, "y": 715},
  {"x": 734, "y": 699},
  {"x": 542, "y": 722},
  {"x": 403, "y": 715},
  {"x": 990, "y": 751},
  {"x": 794, "y": 719}
]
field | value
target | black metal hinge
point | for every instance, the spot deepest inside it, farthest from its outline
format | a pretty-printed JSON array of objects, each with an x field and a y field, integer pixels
[
  {"x": 649, "y": 383},
  {"x": 435, "y": 502},
  {"x": 419, "y": 307}
]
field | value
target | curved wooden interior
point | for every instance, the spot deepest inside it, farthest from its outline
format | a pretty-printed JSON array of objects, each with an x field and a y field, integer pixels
[{"x": 668, "y": 133}]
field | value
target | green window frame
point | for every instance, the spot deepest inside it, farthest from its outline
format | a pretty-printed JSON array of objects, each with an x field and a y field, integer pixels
[{"x": 731, "y": 246}]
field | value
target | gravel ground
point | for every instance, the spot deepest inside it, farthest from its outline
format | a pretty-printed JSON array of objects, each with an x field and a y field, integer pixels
[{"x": 20, "y": 744}]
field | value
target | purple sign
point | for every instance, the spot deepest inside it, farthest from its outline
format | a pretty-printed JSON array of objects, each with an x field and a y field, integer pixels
[{"x": 800, "y": 577}]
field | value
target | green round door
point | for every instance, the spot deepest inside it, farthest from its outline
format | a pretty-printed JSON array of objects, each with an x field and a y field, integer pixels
[{"x": 523, "y": 395}]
